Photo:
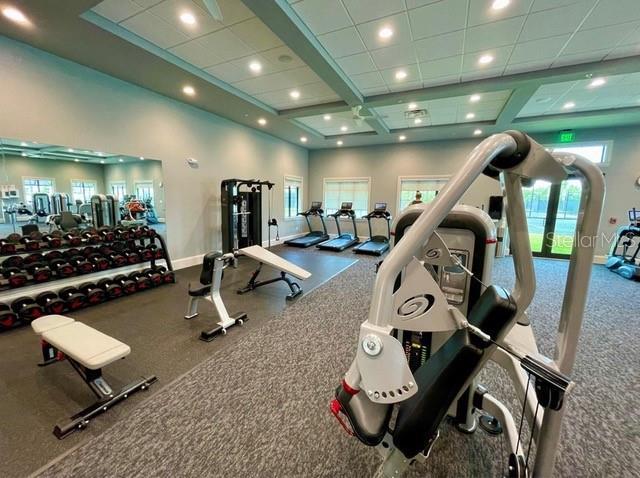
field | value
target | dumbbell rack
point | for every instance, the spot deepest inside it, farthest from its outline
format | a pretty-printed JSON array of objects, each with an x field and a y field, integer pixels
[{"x": 160, "y": 263}]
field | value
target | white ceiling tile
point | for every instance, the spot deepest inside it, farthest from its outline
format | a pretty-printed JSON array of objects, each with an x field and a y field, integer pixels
[
  {"x": 170, "y": 11},
  {"x": 537, "y": 50},
  {"x": 441, "y": 80},
  {"x": 233, "y": 11},
  {"x": 612, "y": 12},
  {"x": 392, "y": 56},
  {"x": 366, "y": 10},
  {"x": 342, "y": 42},
  {"x": 515, "y": 68},
  {"x": 480, "y": 11},
  {"x": 419, "y": 3},
  {"x": 493, "y": 35},
  {"x": 275, "y": 56},
  {"x": 441, "y": 46},
  {"x": 229, "y": 72},
  {"x": 155, "y": 30},
  {"x": 633, "y": 38},
  {"x": 268, "y": 67},
  {"x": 147, "y": 3},
  {"x": 554, "y": 22},
  {"x": 256, "y": 34},
  {"x": 437, "y": 18},
  {"x": 196, "y": 54},
  {"x": 225, "y": 44},
  {"x": 389, "y": 75},
  {"x": 500, "y": 57},
  {"x": 354, "y": 64},
  {"x": 442, "y": 67},
  {"x": 117, "y": 10},
  {"x": 598, "y": 38},
  {"x": 398, "y": 23},
  {"x": 539, "y": 5},
  {"x": 624, "y": 51},
  {"x": 588, "y": 57},
  {"x": 474, "y": 75},
  {"x": 372, "y": 79},
  {"x": 405, "y": 86},
  {"x": 323, "y": 16},
  {"x": 301, "y": 76}
]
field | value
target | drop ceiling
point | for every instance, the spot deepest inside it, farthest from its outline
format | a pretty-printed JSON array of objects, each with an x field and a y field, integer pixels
[{"x": 522, "y": 63}]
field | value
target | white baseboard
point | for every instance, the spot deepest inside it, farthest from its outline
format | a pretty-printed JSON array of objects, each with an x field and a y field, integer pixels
[
  {"x": 187, "y": 262},
  {"x": 282, "y": 239}
]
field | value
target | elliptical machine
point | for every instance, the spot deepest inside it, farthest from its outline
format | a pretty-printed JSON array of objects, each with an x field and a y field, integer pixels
[{"x": 624, "y": 262}]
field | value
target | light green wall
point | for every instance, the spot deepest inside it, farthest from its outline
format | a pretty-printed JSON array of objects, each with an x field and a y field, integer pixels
[
  {"x": 16, "y": 167},
  {"x": 385, "y": 163},
  {"x": 50, "y": 100},
  {"x": 130, "y": 173}
]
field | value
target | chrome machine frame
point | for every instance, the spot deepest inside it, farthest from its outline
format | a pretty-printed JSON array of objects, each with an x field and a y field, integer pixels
[{"x": 380, "y": 364}]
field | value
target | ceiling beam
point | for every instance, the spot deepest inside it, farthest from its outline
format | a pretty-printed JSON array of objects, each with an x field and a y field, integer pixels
[
  {"x": 519, "y": 97},
  {"x": 313, "y": 110}
]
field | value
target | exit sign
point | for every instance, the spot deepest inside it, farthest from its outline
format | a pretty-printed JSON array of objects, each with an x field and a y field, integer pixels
[{"x": 567, "y": 136}]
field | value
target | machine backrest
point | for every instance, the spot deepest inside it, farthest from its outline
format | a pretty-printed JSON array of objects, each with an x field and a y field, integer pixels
[{"x": 208, "y": 262}]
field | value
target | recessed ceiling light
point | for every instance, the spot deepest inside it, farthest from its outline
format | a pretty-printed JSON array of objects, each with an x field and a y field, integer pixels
[
  {"x": 70, "y": 150},
  {"x": 121, "y": 160},
  {"x": 188, "y": 18},
  {"x": 295, "y": 94},
  {"x": 326, "y": 117},
  {"x": 477, "y": 132},
  {"x": 339, "y": 142},
  {"x": 385, "y": 33},
  {"x": 402, "y": 137},
  {"x": 262, "y": 121},
  {"x": 343, "y": 128},
  {"x": 141, "y": 158},
  {"x": 412, "y": 106},
  {"x": 76, "y": 160},
  {"x": 102, "y": 161},
  {"x": 597, "y": 82},
  {"x": 417, "y": 121},
  {"x": 500, "y": 4},
  {"x": 15, "y": 15},
  {"x": 474, "y": 98},
  {"x": 470, "y": 115},
  {"x": 485, "y": 59},
  {"x": 303, "y": 139},
  {"x": 189, "y": 90},
  {"x": 568, "y": 105},
  {"x": 401, "y": 75},
  {"x": 23, "y": 144},
  {"x": 100, "y": 154},
  {"x": 255, "y": 66},
  {"x": 24, "y": 155}
]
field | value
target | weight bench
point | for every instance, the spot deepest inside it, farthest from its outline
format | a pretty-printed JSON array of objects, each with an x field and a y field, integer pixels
[
  {"x": 264, "y": 256},
  {"x": 88, "y": 351}
]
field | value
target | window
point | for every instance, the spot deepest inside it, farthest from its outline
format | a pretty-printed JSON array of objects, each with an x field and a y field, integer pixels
[
  {"x": 37, "y": 185},
  {"x": 292, "y": 196},
  {"x": 354, "y": 190},
  {"x": 596, "y": 152},
  {"x": 144, "y": 190},
  {"x": 119, "y": 189},
  {"x": 82, "y": 190},
  {"x": 408, "y": 186}
]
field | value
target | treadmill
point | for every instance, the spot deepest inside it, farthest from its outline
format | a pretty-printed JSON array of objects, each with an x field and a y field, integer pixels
[
  {"x": 376, "y": 245},
  {"x": 344, "y": 240},
  {"x": 313, "y": 237},
  {"x": 625, "y": 263}
]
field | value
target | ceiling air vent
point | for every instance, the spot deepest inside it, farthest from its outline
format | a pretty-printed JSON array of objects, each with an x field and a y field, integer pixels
[{"x": 413, "y": 114}]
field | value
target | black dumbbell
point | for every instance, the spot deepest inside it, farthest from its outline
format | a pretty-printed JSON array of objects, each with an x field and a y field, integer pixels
[
  {"x": 100, "y": 263},
  {"x": 8, "y": 318},
  {"x": 53, "y": 242},
  {"x": 27, "y": 309},
  {"x": 32, "y": 258},
  {"x": 87, "y": 251},
  {"x": 142, "y": 281},
  {"x": 106, "y": 234},
  {"x": 147, "y": 253},
  {"x": 31, "y": 243},
  {"x": 128, "y": 286},
  {"x": 69, "y": 253},
  {"x": 122, "y": 233},
  {"x": 132, "y": 257},
  {"x": 116, "y": 259},
  {"x": 73, "y": 298},
  {"x": 8, "y": 244},
  {"x": 159, "y": 253},
  {"x": 15, "y": 276},
  {"x": 95, "y": 295},
  {"x": 51, "y": 303},
  {"x": 136, "y": 232},
  {"x": 168, "y": 277},
  {"x": 154, "y": 276},
  {"x": 72, "y": 239},
  {"x": 13, "y": 261},
  {"x": 81, "y": 264},
  {"x": 112, "y": 288},
  {"x": 40, "y": 271},
  {"x": 61, "y": 267},
  {"x": 91, "y": 236}
]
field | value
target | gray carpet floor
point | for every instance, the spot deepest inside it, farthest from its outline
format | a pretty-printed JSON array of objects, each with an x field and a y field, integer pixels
[{"x": 261, "y": 409}]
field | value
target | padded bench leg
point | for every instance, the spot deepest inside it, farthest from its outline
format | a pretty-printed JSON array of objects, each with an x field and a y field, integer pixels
[{"x": 80, "y": 420}]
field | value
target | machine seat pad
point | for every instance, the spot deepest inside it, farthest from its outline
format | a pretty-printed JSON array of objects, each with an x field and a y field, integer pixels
[
  {"x": 200, "y": 291},
  {"x": 85, "y": 345},
  {"x": 444, "y": 376},
  {"x": 49, "y": 322}
]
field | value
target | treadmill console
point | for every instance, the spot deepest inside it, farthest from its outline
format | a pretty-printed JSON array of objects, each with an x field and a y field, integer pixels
[
  {"x": 381, "y": 206},
  {"x": 315, "y": 205},
  {"x": 346, "y": 206}
]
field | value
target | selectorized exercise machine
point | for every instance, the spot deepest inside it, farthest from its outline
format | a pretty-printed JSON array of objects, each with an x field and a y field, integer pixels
[
  {"x": 314, "y": 236},
  {"x": 346, "y": 239},
  {"x": 211, "y": 280},
  {"x": 376, "y": 245},
  {"x": 408, "y": 297},
  {"x": 624, "y": 262}
]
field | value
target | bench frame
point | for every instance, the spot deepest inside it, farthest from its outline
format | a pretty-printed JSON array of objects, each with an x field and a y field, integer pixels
[
  {"x": 107, "y": 398},
  {"x": 254, "y": 283}
]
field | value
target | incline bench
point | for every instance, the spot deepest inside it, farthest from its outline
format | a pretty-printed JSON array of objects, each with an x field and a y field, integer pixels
[{"x": 88, "y": 351}]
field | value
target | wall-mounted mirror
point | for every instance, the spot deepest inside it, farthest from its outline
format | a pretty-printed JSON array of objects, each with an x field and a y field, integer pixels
[{"x": 47, "y": 187}]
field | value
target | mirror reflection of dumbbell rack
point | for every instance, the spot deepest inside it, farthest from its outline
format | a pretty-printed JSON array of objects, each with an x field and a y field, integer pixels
[{"x": 66, "y": 289}]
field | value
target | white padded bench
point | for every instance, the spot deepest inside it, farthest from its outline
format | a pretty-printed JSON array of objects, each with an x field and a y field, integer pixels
[
  {"x": 88, "y": 351},
  {"x": 82, "y": 343}
]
